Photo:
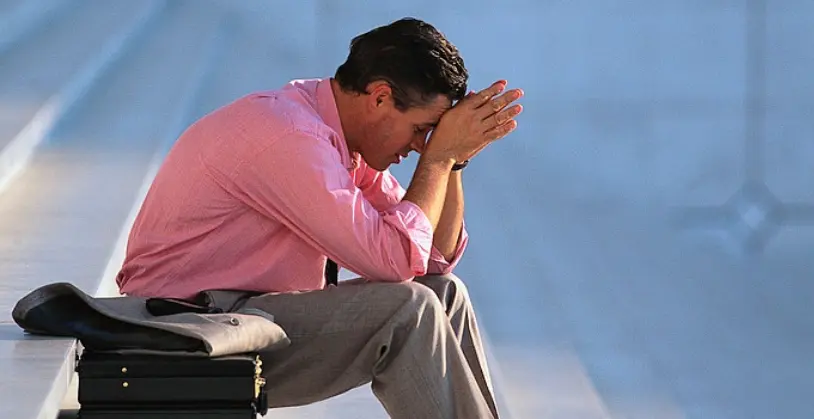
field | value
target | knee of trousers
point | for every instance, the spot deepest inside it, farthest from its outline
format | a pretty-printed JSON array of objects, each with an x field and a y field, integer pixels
[
  {"x": 422, "y": 304},
  {"x": 450, "y": 289}
]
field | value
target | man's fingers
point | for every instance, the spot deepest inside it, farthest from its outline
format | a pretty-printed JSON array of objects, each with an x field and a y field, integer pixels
[
  {"x": 502, "y": 117},
  {"x": 486, "y": 94},
  {"x": 500, "y": 102},
  {"x": 500, "y": 131}
]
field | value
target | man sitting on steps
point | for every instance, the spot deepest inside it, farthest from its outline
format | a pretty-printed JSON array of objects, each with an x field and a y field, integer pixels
[{"x": 258, "y": 194}]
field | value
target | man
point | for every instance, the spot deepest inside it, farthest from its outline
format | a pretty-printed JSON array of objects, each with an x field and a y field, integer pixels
[{"x": 258, "y": 194}]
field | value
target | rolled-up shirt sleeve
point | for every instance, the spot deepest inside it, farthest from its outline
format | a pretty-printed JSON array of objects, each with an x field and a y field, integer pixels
[
  {"x": 298, "y": 179},
  {"x": 384, "y": 191},
  {"x": 438, "y": 265}
]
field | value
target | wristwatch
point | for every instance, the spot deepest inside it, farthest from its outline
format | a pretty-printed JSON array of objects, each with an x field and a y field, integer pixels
[{"x": 459, "y": 166}]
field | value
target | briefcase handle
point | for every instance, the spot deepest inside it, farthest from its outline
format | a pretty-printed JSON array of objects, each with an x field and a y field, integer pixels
[{"x": 169, "y": 306}]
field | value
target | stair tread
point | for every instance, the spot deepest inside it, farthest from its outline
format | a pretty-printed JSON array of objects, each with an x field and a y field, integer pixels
[
  {"x": 36, "y": 68},
  {"x": 60, "y": 219}
]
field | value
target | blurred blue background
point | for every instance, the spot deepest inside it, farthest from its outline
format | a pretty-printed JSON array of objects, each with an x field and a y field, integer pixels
[{"x": 640, "y": 245}]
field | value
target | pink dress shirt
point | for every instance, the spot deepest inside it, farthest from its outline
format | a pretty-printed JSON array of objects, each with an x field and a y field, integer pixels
[{"x": 256, "y": 194}]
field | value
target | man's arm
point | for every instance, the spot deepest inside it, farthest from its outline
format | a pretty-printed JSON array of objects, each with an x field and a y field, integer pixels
[
  {"x": 315, "y": 198},
  {"x": 446, "y": 236},
  {"x": 428, "y": 188},
  {"x": 383, "y": 191}
]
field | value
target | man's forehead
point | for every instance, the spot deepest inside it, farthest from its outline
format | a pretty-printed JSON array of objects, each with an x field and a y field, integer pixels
[{"x": 437, "y": 109}]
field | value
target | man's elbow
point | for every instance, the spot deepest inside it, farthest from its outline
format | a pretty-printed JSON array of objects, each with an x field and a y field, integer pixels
[
  {"x": 394, "y": 277},
  {"x": 404, "y": 273},
  {"x": 402, "y": 267}
]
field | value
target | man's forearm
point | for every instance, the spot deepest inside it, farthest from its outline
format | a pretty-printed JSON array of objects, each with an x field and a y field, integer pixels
[
  {"x": 428, "y": 187},
  {"x": 446, "y": 235}
]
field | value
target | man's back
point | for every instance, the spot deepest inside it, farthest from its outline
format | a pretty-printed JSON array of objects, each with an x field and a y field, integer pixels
[{"x": 197, "y": 229}]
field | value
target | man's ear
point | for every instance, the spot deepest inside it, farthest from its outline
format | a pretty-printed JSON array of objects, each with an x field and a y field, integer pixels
[{"x": 380, "y": 93}]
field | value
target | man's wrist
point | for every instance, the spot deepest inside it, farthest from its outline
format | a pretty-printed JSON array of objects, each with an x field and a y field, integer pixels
[{"x": 444, "y": 163}]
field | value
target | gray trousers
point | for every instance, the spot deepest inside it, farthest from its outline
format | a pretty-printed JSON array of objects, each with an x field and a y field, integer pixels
[{"x": 417, "y": 343}]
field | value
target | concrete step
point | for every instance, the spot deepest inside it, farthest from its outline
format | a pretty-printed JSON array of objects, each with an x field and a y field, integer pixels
[
  {"x": 585, "y": 343},
  {"x": 266, "y": 50},
  {"x": 66, "y": 215},
  {"x": 47, "y": 73},
  {"x": 82, "y": 184},
  {"x": 22, "y": 18},
  {"x": 11, "y": 10}
]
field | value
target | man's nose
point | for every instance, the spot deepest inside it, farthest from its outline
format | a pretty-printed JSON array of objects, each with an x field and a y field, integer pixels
[{"x": 418, "y": 144}]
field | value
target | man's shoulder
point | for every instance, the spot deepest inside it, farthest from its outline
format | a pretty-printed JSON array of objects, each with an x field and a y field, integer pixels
[
  {"x": 291, "y": 108},
  {"x": 266, "y": 120}
]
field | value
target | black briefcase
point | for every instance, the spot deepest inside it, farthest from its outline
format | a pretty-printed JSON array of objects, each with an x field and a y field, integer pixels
[
  {"x": 126, "y": 386},
  {"x": 190, "y": 413}
]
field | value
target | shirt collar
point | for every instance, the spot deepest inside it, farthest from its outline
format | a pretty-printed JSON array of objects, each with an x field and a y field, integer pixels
[{"x": 326, "y": 107}]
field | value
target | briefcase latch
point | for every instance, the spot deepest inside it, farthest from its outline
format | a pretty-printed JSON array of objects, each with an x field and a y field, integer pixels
[{"x": 261, "y": 399}]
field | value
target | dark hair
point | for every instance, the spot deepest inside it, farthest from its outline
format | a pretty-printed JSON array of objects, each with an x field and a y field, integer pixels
[{"x": 412, "y": 56}]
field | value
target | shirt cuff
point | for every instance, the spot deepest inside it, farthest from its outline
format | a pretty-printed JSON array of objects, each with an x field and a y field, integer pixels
[
  {"x": 411, "y": 221},
  {"x": 438, "y": 265}
]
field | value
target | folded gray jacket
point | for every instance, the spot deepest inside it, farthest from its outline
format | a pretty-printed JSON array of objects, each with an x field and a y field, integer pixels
[{"x": 123, "y": 324}]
